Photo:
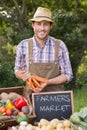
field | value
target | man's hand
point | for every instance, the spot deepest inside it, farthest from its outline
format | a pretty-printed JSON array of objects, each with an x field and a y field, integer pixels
[
  {"x": 43, "y": 85},
  {"x": 22, "y": 74}
]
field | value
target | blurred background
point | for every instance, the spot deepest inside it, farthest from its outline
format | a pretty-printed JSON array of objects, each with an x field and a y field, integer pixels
[{"x": 71, "y": 27}]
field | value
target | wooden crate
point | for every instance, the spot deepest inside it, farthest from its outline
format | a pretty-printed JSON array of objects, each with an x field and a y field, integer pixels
[
  {"x": 12, "y": 122},
  {"x": 17, "y": 89}
]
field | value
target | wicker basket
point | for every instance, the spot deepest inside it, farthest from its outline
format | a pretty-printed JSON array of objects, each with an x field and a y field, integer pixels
[{"x": 12, "y": 122}]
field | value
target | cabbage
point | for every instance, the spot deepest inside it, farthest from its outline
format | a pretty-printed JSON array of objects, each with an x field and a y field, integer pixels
[
  {"x": 75, "y": 118},
  {"x": 83, "y": 114}
]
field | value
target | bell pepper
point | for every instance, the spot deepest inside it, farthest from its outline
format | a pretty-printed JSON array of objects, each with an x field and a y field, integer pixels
[
  {"x": 9, "y": 105},
  {"x": 21, "y": 118},
  {"x": 20, "y": 102}
]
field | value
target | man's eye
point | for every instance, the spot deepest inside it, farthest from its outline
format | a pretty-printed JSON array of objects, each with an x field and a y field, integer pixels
[{"x": 38, "y": 24}]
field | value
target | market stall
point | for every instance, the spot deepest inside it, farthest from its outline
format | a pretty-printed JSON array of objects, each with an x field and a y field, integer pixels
[{"x": 48, "y": 111}]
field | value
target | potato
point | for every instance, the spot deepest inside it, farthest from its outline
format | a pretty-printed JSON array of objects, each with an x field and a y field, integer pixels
[
  {"x": 4, "y": 96},
  {"x": 60, "y": 129},
  {"x": 67, "y": 123},
  {"x": 54, "y": 122},
  {"x": 60, "y": 125},
  {"x": 13, "y": 96},
  {"x": 67, "y": 128},
  {"x": 50, "y": 127},
  {"x": 29, "y": 127},
  {"x": 43, "y": 122},
  {"x": 44, "y": 127},
  {"x": 37, "y": 128}
]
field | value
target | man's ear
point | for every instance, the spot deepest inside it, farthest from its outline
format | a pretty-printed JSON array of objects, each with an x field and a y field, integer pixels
[
  {"x": 51, "y": 25},
  {"x": 32, "y": 24}
]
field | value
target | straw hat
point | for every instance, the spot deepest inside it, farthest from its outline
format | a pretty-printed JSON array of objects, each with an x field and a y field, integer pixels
[{"x": 42, "y": 14}]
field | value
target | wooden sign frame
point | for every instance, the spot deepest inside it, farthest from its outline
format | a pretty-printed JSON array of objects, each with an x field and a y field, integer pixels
[{"x": 45, "y": 102}]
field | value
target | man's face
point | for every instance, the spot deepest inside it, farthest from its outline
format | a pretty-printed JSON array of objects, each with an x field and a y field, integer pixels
[{"x": 41, "y": 29}]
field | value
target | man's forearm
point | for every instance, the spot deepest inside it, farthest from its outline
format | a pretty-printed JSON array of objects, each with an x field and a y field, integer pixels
[
  {"x": 58, "y": 80},
  {"x": 22, "y": 74},
  {"x": 18, "y": 75}
]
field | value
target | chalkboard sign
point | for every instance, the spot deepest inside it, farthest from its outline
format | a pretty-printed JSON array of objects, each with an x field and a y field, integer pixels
[{"x": 50, "y": 105}]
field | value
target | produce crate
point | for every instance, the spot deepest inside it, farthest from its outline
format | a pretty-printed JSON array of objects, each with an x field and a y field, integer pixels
[
  {"x": 17, "y": 89},
  {"x": 12, "y": 122}
]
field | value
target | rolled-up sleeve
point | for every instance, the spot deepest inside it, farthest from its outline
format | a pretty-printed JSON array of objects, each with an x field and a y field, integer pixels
[
  {"x": 64, "y": 62},
  {"x": 20, "y": 58}
]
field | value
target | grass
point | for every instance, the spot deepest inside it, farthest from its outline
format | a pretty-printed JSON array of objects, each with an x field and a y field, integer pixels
[{"x": 80, "y": 98}]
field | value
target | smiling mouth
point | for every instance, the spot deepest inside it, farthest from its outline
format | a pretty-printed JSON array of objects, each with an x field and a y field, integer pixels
[{"x": 42, "y": 33}]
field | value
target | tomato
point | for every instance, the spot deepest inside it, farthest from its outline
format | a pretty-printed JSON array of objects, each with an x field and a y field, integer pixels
[
  {"x": 8, "y": 112},
  {"x": 2, "y": 109}
]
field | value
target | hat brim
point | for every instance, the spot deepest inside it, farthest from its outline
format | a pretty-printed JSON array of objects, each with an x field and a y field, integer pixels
[{"x": 41, "y": 19}]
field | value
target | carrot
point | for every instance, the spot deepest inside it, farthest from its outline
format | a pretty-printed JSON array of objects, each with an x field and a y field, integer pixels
[
  {"x": 40, "y": 79},
  {"x": 30, "y": 83},
  {"x": 36, "y": 83}
]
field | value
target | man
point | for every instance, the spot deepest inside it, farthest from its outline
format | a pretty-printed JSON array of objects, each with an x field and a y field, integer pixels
[{"x": 43, "y": 55}]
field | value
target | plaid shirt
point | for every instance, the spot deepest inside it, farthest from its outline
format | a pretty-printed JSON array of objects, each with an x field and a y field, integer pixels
[{"x": 44, "y": 54}]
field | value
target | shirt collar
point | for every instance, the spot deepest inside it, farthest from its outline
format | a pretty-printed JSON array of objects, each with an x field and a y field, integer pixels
[
  {"x": 46, "y": 41},
  {"x": 49, "y": 40}
]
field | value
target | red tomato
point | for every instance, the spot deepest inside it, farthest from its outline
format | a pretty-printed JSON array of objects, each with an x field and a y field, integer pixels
[
  {"x": 2, "y": 109},
  {"x": 8, "y": 112}
]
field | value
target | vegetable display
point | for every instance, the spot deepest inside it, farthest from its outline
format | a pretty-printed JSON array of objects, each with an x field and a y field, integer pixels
[
  {"x": 44, "y": 124},
  {"x": 79, "y": 118},
  {"x": 11, "y": 110},
  {"x": 8, "y": 111},
  {"x": 76, "y": 122}
]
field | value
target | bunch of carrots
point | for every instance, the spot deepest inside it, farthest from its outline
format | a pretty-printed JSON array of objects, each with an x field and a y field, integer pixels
[{"x": 34, "y": 81}]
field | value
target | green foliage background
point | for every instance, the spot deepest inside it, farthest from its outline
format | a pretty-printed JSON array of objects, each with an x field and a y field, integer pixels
[{"x": 71, "y": 26}]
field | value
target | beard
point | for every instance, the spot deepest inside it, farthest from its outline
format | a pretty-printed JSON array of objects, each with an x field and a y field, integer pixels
[{"x": 41, "y": 36}]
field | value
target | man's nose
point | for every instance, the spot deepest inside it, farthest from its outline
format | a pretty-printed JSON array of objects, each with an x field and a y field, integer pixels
[{"x": 42, "y": 27}]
